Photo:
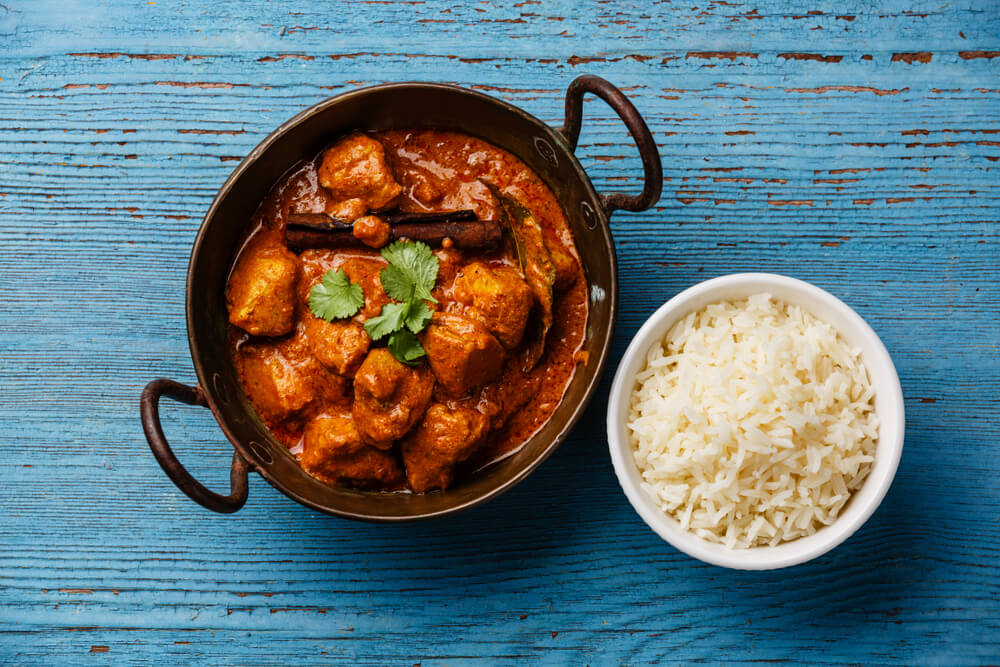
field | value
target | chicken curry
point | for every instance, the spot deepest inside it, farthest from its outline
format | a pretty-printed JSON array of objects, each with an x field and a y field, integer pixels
[{"x": 406, "y": 338}]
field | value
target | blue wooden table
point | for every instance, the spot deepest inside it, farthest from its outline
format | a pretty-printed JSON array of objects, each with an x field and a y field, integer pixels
[{"x": 853, "y": 144}]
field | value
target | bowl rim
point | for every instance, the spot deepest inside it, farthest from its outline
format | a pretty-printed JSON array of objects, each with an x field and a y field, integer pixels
[
  {"x": 889, "y": 449},
  {"x": 604, "y": 224}
]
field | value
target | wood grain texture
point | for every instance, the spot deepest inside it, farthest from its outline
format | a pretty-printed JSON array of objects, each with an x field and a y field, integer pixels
[{"x": 855, "y": 145}]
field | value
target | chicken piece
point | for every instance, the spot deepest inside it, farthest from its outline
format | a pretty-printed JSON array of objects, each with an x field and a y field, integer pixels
[
  {"x": 341, "y": 345},
  {"x": 368, "y": 467},
  {"x": 329, "y": 389},
  {"x": 348, "y": 210},
  {"x": 356, "y": 168},
  {"x": 447, "y": 435},
  {"x": 498, "y": 297},
  {"x": 389, "y": 397},
  {"x": 329, "y": 436},
  {"x": 462, "y": 353},
  {"x": 284, "y": 378},
  {"x": 333, "y": 451},
  {"x": 372, "y": 230},
  {"x": 277, "y": 386},
  {"x": 565, "y": 264},
  {"x": 502, "y": 400},
  {"x": 261, "y": 294}
]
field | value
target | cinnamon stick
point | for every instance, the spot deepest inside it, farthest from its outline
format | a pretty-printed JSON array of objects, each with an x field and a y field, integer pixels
[
  {"x": 322, "y": 221},
  {"x": 316, "y": 221},
  {"x": 472, "y": 235},
  {"x": 460, "y": 215}
]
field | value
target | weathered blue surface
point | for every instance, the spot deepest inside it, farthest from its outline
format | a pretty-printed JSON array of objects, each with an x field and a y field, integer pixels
[{"x": 855, "y": 145}]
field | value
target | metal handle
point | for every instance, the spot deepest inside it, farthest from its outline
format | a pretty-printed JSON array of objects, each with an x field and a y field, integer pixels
[
  {"x": 150, "y": 406},
  {"x": 588, "y": 83}
]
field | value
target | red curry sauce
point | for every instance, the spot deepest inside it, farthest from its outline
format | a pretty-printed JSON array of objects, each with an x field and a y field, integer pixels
[{"x": 438, "y": 171}]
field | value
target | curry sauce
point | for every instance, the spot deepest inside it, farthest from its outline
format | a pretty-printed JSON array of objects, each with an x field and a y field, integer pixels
[{"x": 352, "y": 413}]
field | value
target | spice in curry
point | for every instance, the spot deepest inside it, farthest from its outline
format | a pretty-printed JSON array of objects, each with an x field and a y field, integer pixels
[{"x": 372, "y": 381}]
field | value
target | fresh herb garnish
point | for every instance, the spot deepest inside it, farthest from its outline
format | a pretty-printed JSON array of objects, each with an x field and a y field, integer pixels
[
  {"x": 412, "y": 271},
  {"x": 335, "y": 297},
  {"x": 404, "y": 346},
  {"x": 408, "y": 279},
  {"x": 419, "y": 316},
  {"x": 392, "y": 318}
]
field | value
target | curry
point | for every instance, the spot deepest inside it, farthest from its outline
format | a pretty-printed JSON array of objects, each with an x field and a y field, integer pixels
[{"x": 485, "y": 330}]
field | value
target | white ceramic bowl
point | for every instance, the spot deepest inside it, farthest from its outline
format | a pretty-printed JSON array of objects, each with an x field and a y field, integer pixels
[{"x": 888, "y": 406}]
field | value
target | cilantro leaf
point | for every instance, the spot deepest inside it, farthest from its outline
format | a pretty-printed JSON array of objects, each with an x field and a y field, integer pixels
[
  {"x": 335, "y": 297},
  {"x": 408, "y": 280},
  {"x": 405, "y": 347},
  {"x": 419, "y": 316},
  {"x": 412, "y": 271},
  {"x": 396, "y": 283},
  {"x": 391, "y": 319}
]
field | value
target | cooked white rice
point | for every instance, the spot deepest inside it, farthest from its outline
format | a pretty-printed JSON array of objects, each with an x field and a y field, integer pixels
[{"x": 752, "y": 423}]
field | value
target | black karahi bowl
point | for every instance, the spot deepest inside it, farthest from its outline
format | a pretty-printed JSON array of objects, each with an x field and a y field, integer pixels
[{"x": 547, "y": 151}]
